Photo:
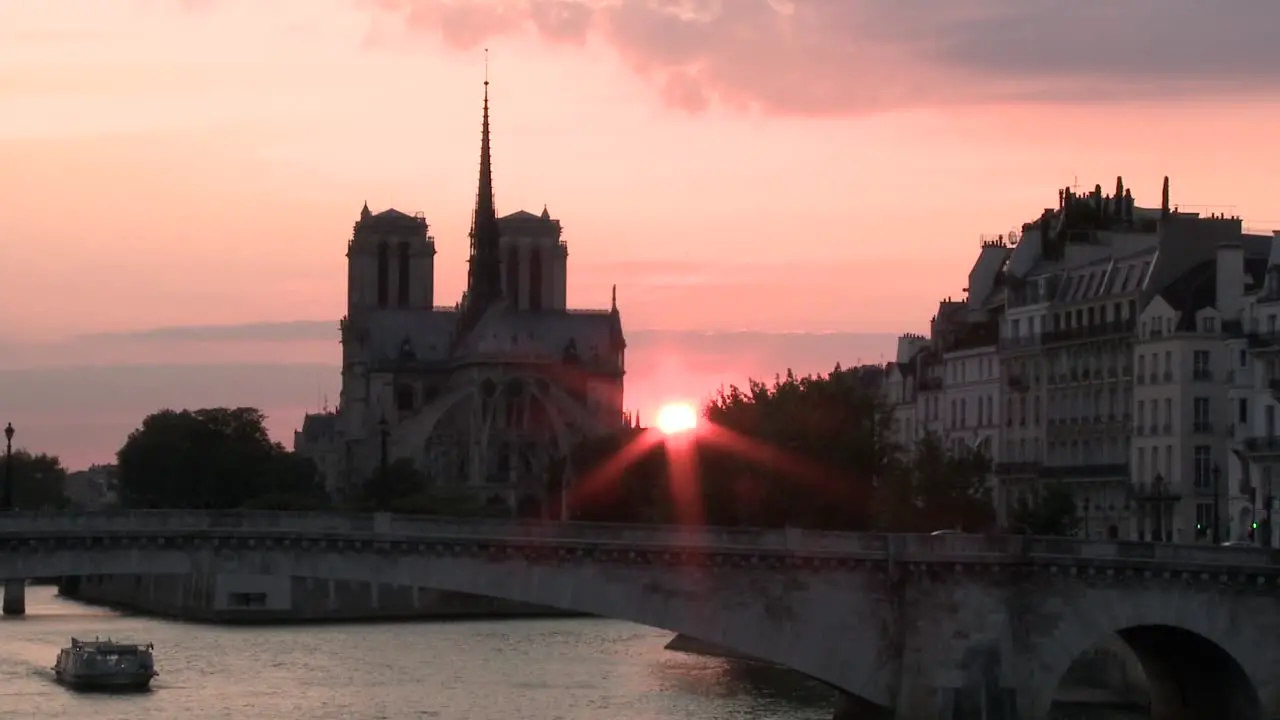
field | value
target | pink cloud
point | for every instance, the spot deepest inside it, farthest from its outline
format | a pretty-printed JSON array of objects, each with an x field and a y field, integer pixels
[{"x": 823, "y": 57}]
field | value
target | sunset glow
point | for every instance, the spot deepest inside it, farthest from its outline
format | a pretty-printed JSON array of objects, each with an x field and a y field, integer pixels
[
  {"x": 702, "y": 161},
  {"x": 676, "y": 418}
]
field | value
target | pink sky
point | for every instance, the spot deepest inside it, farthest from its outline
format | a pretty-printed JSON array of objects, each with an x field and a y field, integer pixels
[{"x": 751, "y": 164}]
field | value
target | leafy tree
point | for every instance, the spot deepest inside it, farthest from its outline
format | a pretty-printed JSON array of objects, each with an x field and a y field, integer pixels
[
  {"x": 1052, "y": 512},
  {"x": 215, "y": 458},
  {"x": 813, "y": 451},
  {"x": 400, "y": 484},
  {"x": 612, "y": 482},
  {"x": 820, "y": 445},
  {"x": 935, "y": 489},
  {"x": 39, "y": 481}
]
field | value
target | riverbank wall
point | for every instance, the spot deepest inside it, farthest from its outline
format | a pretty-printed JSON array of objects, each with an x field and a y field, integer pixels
[{"x": 256, "y": 599}]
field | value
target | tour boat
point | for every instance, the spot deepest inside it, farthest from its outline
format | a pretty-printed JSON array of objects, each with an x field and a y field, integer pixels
[{"x": 105, "y": 665}]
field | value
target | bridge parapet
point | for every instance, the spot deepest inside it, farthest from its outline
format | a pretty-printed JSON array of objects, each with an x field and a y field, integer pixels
[{"x": 909, "y": 548}]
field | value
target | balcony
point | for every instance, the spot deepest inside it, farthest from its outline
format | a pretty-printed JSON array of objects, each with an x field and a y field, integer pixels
[
  {"x": 1091, "y": 471},
  {"x": 1262, "y": 445},
  {"x": 1011, "y": 469},
  {"x": 1097, "y": 331},
  {"x": 1017, "y": 383},
  {"x": 1202, "y": 427},
  {"x": 1206, "y": 376},
  {"x": 1263, "y": 341},
  {"x": 1167, "y": 376},
  {"x": 1155, "y": 492},
  {"x": 927, "y": 384},
  {"x": 1022, "y": 342}
]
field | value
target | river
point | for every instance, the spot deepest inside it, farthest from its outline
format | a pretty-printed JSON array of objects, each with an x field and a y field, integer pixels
[
  {"x": 517, "y": 670},
  {"x": 478, "y": 670}
]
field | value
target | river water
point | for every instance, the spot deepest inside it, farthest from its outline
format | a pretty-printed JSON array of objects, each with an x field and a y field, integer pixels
[
  {"x": 505, "y": 670},
  {"x": 478, "y": 670}
]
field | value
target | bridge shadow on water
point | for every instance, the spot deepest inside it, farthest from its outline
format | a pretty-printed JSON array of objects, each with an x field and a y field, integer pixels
[{"x": 727, "y": 678}]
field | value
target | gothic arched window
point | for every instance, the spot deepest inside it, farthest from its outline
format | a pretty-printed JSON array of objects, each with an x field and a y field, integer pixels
[
  {"x": 402, "y": 274},
  {"x": 535, "y": 279},
  {"x": 384, "y": 262}
]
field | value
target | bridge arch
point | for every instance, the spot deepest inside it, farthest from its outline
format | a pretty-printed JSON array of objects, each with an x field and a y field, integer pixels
[
  {"x": 735, "y": 602},
  {"x": 1199, "y": 660}
]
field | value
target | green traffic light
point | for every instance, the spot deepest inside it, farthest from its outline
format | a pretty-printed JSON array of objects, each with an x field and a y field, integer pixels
[{"x": 1255, "y": 526}]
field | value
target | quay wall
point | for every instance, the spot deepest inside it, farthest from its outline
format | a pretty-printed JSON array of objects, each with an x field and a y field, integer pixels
[{"x": 249, "y": 599}]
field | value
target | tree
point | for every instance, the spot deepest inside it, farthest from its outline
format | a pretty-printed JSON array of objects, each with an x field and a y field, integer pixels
[
  {"x": 939, "y": 489},
  {"x": 1053, "y": 512},
  {"x": 215, "y": 458},
  {"x": 820, "y": 445},
  {"x": 611, "y": 482},
  {"x": 400, "y": 485},
  {"x": 39, "y": 481}
]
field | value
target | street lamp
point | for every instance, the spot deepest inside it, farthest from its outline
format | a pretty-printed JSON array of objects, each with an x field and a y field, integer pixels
[
  {"x": 383, "y": 434},
  {"x": 1217, "y": 479},
  {"x": 6, "y": 503}
]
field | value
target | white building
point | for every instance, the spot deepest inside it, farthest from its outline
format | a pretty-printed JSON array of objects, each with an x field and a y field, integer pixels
[
  {"x": 483, "y": 395},
  {"x": 1137, "y": 356}
]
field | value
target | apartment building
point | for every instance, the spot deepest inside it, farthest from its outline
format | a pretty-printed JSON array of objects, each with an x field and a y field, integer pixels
[{"x": 1136, "y": 360}]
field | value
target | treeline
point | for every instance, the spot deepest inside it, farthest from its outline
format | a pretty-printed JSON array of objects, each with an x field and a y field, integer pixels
[
  {"x": 814, "y": 451},
  {"x": 224, "y": 459},
  {"x": 39, "y": 480}
]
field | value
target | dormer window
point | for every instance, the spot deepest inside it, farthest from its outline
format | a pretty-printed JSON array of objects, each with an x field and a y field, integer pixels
[{"x": 1210, "y": 324}]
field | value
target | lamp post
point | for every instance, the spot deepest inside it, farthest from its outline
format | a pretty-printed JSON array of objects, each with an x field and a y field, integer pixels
[
  {"x": 1217, "y": 479},
  {"x": 6, "y": 503},
  {"x": 383, "y": 434}
]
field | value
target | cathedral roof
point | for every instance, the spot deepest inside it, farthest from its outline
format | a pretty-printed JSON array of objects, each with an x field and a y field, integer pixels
[
  {"x": 523, "y": 222},
  {"x": 553, "y": 335},
  {"x": 411, "y": 334},
  {"x": 523, "y": 215},
  {"x": 392, "y": 214}
]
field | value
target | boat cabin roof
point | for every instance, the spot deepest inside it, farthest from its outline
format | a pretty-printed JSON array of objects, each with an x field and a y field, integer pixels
[{"x": 107, "y": 646}]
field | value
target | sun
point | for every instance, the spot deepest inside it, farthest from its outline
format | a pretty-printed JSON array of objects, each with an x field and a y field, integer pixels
[{"x": 677, "y": 417}]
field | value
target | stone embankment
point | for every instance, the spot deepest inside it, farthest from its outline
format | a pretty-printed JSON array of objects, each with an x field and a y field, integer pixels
[{"x": 290, "y": 600}]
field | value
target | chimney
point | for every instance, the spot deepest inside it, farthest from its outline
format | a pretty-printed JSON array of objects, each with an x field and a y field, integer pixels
[{"x": 1230, "y": 279}]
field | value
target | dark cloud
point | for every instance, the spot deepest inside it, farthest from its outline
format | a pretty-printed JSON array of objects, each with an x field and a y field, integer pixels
[
  {"x": 291, "y": 331},
  {"x": 851, "y": 56}
]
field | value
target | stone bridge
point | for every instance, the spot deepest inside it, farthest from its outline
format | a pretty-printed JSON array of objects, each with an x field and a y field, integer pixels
[{"x": 912, "y": 627}]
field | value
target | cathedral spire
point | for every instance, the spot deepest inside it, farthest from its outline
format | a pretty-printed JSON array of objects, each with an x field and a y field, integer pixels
[
  {"x": 484, "y": 212},
  {"x": 484, "y": 278}
]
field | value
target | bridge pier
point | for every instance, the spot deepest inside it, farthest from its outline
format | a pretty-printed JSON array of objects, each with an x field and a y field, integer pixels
[{"x": 15, "y": 597}]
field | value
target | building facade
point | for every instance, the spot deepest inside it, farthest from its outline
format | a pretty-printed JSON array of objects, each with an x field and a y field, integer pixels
[
  {"x": 481, "y": 396},
  {"x": 1136, "y": 359}
]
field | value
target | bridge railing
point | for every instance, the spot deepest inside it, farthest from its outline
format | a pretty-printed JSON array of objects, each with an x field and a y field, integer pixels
[{"x": 905, "y": 547}]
